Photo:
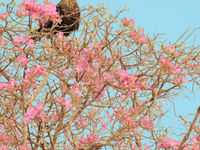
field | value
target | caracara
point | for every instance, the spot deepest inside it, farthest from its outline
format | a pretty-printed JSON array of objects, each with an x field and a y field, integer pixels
[{"x": 69, "y": 13}]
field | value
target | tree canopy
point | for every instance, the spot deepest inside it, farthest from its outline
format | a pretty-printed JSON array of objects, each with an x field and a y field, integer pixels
[{"x": 104, "y": 86}]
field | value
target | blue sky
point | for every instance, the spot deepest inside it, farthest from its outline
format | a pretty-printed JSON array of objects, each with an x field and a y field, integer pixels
[{"x": 171, "y": 17}]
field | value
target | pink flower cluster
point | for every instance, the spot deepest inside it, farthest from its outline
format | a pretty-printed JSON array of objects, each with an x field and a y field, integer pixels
[
  {"x": 59, "y": 36},
  {"x": 98, "y": 91},
  {"x": 147, "y": 123},
  {"x": 39, "y": 12},
  {"x": 2, "y": 41},
  {"x": 90, "y": 139},
  {"x": 35, "y": 113},
  {"x": 125, "y": 79},
  {"x": 107, "y": 77},
  {"x": 126, "y": 22},
  {"x": 21, "y": 147},
  {"x": 3, "y": 16},
  {"x": 21, "y": 40},
  {"x": 11, "y": 85},
  {"x": 24, "y": 147},
  {"x": 29, "y": 82},
  {"x": 82, "y": 66},
  {"x": 167, "y": 65},
  {"x": 168, "y": 143},
  {"x": 87, "y": 63},
  {"x": 195, "y": 142},
  {"x": 103, "y": 126},
  {"x": 3, "y": 138},
  {"x": 127, "y": 116},
  {"x": 171, "y": 48},
  {"x": 64, "y": 102},
  {"x": 81, "y": 123},
  {"x": 179, "y": 79},
  {"x": 22, "y": 60},
  {"x": 137, "y": 37},
  {"x": 75, "y": 90}
]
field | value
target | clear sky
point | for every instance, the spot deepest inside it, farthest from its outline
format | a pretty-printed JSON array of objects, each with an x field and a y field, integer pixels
[{"x": 171, "y": 17}]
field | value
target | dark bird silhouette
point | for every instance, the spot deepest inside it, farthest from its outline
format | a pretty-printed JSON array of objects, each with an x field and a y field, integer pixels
[{"x": 69, "y": 13}]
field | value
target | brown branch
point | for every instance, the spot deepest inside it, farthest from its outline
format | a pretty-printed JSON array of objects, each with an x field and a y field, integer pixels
[
  {"x": 35, "y": 94},
  {"x": 190, "y": 129}
]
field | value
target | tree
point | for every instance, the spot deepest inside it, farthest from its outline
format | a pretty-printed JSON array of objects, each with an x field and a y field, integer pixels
[{"x": 105, "y": 87}]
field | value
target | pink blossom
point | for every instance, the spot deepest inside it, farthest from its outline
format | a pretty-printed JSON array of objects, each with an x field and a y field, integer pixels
[
  {"x": 171, "y": 48},
  {"x": 31, "y": 76},
  {"x": 107, "y": 77},
  {"x": 4, "y": 147},
  {"x": 87, "y": 49},
  {"x": 147, "y": 147},
  {"x": 2, "y": 41},
  {"x": 167, "y": 65},
  {"x": 103, "y": 127},
  {"x": 31, "y": 43},
  {"x": 140, "y": 39},
  {"x": 30, "y": 114},
  {"x": 81, "y": 123},
  {"x": 24, "y": 147},
  {"x": 11, "y": 85},
  {"x": 35, "y": 113},
  {"x": 22, "y": 60},
  {"x": 18, "y": 40},
  {"x": 65, "y": 71},
  {"x": 77, "y": 92},
  {"x": 147, "y": 123},
  {"x": 60, "y": 35},
  {"x": 21, "y": 40},
  {"x": 133, "y": 147},
  {"x": 195, "y": 139},
  {"x": 3, "y": 138},
  {"x": 80, "y": 67},
  {"x": 179, "y": 79},
  {"x": 137, "y": 37},
  {"x": 39, "y": 12},
  {"x": 90, "y": 139},
  {"x": 4, "y": 16},
  {"x": 125, "y": 79},
  {"x": 168, "y": 143},
  {"x": 64, "y": 102},
  {"x": 127, "y": 22},
  {"x": 126, "y": 117},
  {"x": 1, "y": 127}
]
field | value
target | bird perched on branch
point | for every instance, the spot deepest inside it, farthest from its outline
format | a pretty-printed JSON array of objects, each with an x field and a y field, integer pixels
[{"x": 69, "y": 13}]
